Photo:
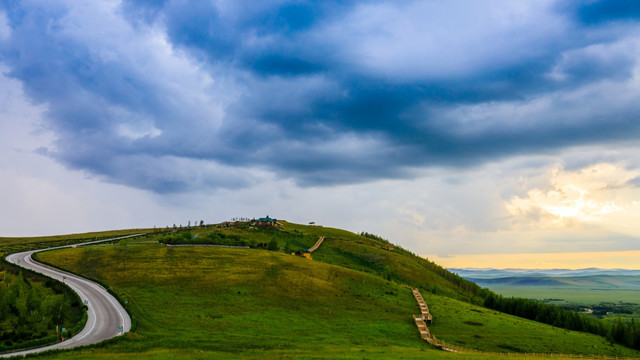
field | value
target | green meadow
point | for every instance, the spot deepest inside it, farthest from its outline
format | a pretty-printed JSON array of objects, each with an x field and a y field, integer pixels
[
  {"x": 347, "y": 303},
  {"x": 609, "y": 304},
  {"x": 16, "y": 244},
  {"x": 475, "y": 327},
  {"x": 241, "y": 302},
  {"x": 585, "y": 296}
]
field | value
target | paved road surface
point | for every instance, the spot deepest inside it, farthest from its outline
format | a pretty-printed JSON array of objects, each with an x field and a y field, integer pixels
[{"x": 106, "y": 315}]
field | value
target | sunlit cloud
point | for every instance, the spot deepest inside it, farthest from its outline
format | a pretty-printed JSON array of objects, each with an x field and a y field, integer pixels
[
  {"x": 570, "y": 260},
  {"x": 589, "y": 195}
]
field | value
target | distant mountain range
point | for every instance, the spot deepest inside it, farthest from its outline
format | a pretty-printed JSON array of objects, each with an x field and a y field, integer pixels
[
  {"x": 565, "y": 278},
  {"x": 489, "y": 273}
]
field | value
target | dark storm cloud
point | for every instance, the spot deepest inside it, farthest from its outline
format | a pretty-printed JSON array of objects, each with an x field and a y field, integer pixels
[
  {"x": 173, "y": 96},
  {"x": 595, "y": 12}
]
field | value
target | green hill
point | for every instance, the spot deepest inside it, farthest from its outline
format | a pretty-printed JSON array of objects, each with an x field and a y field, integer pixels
[
  {"x": 214, "y": 302},
  {"x": 16, "y": 244}
]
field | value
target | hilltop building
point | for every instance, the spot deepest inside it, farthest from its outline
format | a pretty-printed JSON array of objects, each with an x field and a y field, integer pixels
[{"x": 266, "y": 221}]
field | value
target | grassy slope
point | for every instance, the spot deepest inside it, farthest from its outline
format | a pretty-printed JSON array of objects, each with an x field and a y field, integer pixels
[
  {"x": 350, "y": 250},
  {"x": 16, "y": 244},
  {"x": 471, "y": 326},
  {"x": 214, "y": 302},
  {"x": 230, "y": 301}
]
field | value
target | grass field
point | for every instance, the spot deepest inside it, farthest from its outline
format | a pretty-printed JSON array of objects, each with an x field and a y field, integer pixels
[
  {"x": 242, "y": 301},
  {"x": 627, "y": 300},
  {"x": 356, "y": 252},
  {"x": 16, "y": 244},
  {"x": 584, "y": 296},
  {"x": 471, "y": 326},
  {"x": 203, "y": 302}
]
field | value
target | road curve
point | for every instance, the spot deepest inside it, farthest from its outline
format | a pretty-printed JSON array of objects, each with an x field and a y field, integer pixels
[{"x": 106, "y": 317}]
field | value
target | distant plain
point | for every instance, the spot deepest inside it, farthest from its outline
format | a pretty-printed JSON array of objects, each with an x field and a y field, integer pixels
[{"x": 615, "y": 289}]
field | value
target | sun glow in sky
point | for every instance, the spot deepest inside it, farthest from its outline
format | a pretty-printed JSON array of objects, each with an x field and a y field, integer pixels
[
  {"x": 510, "y": 127},
  {"x": 596, "y": 193},
  {"x": 578, "y": 260}
]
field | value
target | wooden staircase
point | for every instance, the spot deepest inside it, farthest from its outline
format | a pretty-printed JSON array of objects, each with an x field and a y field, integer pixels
[
  {"x": 317, "y": 244},
  {"x": 423, "y": 320}
]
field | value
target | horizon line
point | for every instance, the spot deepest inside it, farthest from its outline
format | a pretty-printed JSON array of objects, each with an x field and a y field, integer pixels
[{"x": 603, "y": 260}]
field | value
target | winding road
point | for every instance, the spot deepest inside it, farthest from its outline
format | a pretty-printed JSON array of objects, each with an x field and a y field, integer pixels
[{"x": 106, "y": 317}]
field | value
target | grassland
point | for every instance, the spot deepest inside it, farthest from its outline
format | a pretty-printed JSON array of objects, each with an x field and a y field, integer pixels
[
  {"x": 231, "y": 301},
  {"x": 583, "y": 296},
  {"x": 16, "y": 244},
  {"x": 203, "y": 302},
  {"x": 471, "y": 326},
  {"x": 346, "y": 249},
  {"x": 619, "y": 303}
]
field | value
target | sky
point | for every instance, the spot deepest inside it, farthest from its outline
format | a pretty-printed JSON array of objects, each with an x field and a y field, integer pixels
[{"x": 454, "y": 129}]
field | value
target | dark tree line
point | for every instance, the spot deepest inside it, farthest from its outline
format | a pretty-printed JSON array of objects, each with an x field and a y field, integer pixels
[
  {"x": 217, "y": 238},
  {"x": 31, "y": 309},
  {"x": 374, "y": 237},
  {"x": 473, "y": 290},
  {"x": 627, "y": 334},
  {"x": 475, "y": 293},
  {"x": 624, "y": 333}
]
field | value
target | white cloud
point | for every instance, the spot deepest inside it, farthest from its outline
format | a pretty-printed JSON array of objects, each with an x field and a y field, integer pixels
[
  {"x": 444, "y": 40},
  {"x": 41, "y": 197},
  {"x": 21, "y": 128},
  {"x": 605, "y": 103},
  {"x": 596, "y": 58},
  {"x": 176, "y": 107},
  {"x": 5, "y": 30},
  {"x": 445, "y": 211}
]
